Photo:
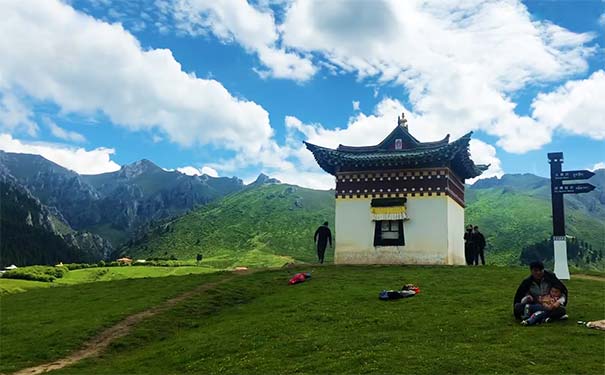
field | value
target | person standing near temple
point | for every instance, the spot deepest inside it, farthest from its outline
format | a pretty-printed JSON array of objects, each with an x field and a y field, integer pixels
[
  {"x": 469, "y": 250},
  {"x": 322, "y": 237},
  {"x": 479, "y": 243}
]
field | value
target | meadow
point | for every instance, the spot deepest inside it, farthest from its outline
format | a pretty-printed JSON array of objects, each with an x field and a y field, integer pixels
[
  {"x": 88, "y": 275},
  {"x": 461, "y": 322}
]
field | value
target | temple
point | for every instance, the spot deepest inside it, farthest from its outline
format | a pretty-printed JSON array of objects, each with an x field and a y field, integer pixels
[{"x": 400, "y": 201}]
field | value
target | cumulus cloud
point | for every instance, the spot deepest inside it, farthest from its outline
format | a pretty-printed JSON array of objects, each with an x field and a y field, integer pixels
[
  {"x": 85, "y": 66},
  {"x": 193, "y": 171},
  {"x": 15, "y": 115},
  {"x": 576, "y": 107},
  {"x": 356, "y": 105},
  {"x": 238, "y": 21},
  {"x": 61, "y": 133},
  {"x": 79, "y": 160},
  {"x": 459, "y": 61},
  {"x": 599, "y": 165},
  {"x": 209, "y": 171},
  {"x": 484, "y": 153}
]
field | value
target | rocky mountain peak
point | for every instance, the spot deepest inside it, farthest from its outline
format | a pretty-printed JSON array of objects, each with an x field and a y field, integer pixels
[
  {"x": 137, "y": 168},
  {"x": 264, "y": 179}
]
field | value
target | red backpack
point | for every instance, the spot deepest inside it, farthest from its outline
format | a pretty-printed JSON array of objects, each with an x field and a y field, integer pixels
[{"x": 299, "y": 278}]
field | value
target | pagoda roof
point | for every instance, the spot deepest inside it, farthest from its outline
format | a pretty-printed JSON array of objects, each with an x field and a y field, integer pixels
[{"x": 410, "y": 153}]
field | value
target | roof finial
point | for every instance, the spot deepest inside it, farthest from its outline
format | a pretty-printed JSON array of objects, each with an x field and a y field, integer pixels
[{"x": 402, "y": 121}]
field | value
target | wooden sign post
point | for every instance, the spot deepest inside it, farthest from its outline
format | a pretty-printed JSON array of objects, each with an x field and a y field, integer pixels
[{"x": 557, "y": 189}]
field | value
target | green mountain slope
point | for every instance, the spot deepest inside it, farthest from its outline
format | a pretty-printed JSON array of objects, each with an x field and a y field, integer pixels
[
  {"x": 251, "y": 226},
  {"x": 263, "y": 224},
  {"x": 511, "y": 221},
  {"x": 28, "y": 230}
]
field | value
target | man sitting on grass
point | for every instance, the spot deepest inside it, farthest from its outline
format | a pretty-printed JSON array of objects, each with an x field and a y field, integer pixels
[{"x": 535, "y": 287}]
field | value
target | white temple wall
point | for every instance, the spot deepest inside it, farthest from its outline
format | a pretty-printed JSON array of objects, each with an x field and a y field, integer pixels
[
  {"x": 433, "y": 234},
  {"x": 455, "y": 224}
]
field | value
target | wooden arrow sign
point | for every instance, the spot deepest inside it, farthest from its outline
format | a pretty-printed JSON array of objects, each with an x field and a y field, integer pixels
[
  {"x": 573, "y": 188},
  {"x": 573, "y": 175}
]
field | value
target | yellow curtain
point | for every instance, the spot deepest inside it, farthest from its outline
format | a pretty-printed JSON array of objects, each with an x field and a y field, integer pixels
[
  {"x": 388, "y": 210},
  {"x": 388, "y": 213}
]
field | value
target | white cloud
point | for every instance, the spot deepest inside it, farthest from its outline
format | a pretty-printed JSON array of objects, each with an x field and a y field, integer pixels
[
  {"x": 85, "y": 66},
  {"x": 79, "y": 160},
  {"x": 193, "y": 171},
  {"x": 599, "y": 165},
  {"x": 602, "y": 20},
  {"x": 356, "y": 105},
  {"x": 253, "y": 28},
  {"x": 460, "y": 62},
  {"x": 209, "y": 171},
  {"x": 190, "y": 171},
  {"x": 66, "y": 135},
  {"x": 576, "y": 107},
  {"x": 15, "y": 115},
  {"x": 484, "y": 153}
]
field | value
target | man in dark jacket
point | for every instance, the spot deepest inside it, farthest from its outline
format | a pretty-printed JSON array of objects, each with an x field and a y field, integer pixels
[
  {"x": 538, "y": 284},
  {"x": 479, "y": 244},
  {"x": 322, "y": 237},
  {"x": 469, "y": 247}
]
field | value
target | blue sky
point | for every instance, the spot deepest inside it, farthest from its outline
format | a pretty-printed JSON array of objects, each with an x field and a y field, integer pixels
[{"x": 233, "y": 87}]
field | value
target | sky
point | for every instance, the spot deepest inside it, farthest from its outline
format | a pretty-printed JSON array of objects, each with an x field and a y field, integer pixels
[{"x": 233, "y": 87}]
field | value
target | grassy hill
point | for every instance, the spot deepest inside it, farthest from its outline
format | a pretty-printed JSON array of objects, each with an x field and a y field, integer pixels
[
  {"x": 460, "y": 323},
  {"x": 264, "y": 225},
  {"x": 256, "y": 225},
  {"x": 511, "y": 221}
]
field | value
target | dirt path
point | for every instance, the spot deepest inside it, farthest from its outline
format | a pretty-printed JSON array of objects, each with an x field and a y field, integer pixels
[
  {"x": 99, "y": 343},
  {"x": 587, "y": 277}
]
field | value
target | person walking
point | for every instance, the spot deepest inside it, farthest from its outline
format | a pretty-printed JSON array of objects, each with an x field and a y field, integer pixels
[
  {"x": 322, "y": 237},
  {"x": 479, "y": 244},
  {"x": 468, "y": 245}
]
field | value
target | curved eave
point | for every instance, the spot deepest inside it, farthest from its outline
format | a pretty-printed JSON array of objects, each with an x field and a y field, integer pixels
[{"x": 455, "y": 153}]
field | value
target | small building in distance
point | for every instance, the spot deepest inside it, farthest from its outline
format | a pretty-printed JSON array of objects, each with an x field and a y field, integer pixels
[{"x": 400, "y": 201}]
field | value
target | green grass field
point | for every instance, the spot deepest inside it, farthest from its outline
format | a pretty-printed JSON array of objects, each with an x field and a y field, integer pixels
[
  {"x": 89, "y": 275},
  {"x": 460, "y": 323}
]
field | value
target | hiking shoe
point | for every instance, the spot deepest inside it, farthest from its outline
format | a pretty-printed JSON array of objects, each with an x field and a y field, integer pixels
[
  {"x": 547, "y": 320},
  {"x": 564, "y": 317},
  {"x": 524, "y": 322}
]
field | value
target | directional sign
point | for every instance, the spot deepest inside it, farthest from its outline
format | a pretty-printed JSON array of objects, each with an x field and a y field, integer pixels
[
  {"x": 573, "y": 188},
  {"x": 573, "y": 175}
]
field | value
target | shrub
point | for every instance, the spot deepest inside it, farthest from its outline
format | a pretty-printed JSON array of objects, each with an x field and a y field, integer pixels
[
  {"x": 37, "y": 273},
  {"x": 78, "y": 266}
]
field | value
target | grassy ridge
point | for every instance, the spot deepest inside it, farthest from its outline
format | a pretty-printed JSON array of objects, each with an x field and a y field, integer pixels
[
  {"x": 89, "y": 275},
  {"x": 460, "y": 323},
  {"x": 279, "y": 220},
  {"x": 270, "y": 222},
  {"x": 512, "y": 221}
]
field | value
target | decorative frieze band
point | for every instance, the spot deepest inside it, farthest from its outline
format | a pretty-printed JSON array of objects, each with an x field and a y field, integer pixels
[
  {"x": 401, "y": 195},
  {"x": 425, "y": 182}
]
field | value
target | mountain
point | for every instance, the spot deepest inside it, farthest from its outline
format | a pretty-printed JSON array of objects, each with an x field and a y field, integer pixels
[
  {"x": 262, "y": 222},
  {"x": 513, "y": 212},
  {"x": 115, "y": 204},
  {"x": 35, "y": 234},
  {"x": 147, "y": 211}
]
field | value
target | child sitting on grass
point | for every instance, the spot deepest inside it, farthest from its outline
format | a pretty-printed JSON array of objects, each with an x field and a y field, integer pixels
[{"x": 539, "y": 312}]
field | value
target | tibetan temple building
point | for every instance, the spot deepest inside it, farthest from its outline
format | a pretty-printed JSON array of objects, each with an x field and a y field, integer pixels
[{"x": 400, "y": 201}]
